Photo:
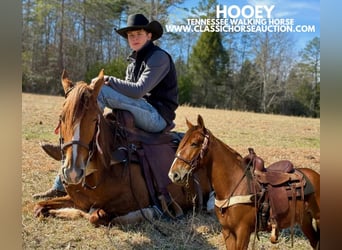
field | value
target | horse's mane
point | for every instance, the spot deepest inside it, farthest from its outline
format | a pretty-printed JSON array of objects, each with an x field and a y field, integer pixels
[
  {"x": 231, "y": 150},
  {"x": 76, "y": 104}
]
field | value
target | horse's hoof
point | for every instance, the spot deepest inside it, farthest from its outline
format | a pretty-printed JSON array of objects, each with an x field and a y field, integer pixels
[
  {"x": 274, "y": 239},
  {"x": 40, "y": 211},
  {"x": 98, "y": 217}
]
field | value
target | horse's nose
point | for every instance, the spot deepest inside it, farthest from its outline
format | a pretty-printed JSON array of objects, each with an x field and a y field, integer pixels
[
  {"x": 174, "y": 176},
  {"x": 72, "y": 175}
]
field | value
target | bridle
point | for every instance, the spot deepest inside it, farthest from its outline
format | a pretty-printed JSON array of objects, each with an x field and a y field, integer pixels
[
  {"x": 91, "y": 147},
  {"x": 194, "y": 162}
]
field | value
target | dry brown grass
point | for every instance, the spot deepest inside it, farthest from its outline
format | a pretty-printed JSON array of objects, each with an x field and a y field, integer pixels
[{"x": 273, "y": 138}]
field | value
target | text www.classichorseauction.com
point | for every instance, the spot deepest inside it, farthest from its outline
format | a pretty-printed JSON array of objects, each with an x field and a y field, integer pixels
[{"x": 247, "y": 18}]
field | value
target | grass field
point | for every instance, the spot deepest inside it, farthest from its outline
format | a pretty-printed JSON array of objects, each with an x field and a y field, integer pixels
[{"x": 273, "y": 138}]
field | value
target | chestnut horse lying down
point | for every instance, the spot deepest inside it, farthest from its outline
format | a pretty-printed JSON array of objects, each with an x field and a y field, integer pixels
[
  {"x": 249, "y": 197},
  {"x": 107, "y": 170}
]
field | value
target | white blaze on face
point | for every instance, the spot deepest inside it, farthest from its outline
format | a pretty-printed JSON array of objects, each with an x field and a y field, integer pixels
[
  {"x": 174, "y": 160},
  {"x": 171, "y": 174},
  {"x": 76, "y": 137}
]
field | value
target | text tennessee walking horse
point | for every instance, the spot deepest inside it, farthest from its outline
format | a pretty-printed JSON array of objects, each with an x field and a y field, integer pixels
[
  {"x": 249, "y": 197},
  {"x": 100, "y": 187}
]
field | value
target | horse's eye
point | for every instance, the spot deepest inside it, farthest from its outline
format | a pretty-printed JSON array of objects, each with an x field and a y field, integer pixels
[{"x": 194, "y": 144}]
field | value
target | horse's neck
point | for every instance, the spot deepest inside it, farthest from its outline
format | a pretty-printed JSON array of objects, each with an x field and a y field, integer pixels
[{"x": 226, "y": 171}]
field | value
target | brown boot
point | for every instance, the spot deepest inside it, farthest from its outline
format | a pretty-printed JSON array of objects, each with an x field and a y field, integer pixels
[
  {"x": 49, "y": 194},
  {"x": 53, "y": 151}
]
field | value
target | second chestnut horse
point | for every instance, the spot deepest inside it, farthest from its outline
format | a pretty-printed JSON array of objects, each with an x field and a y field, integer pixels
[{"x": 236, "y": 204}]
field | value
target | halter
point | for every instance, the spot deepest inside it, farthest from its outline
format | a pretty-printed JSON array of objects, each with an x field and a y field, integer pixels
[{"x": 193, "y": 163}]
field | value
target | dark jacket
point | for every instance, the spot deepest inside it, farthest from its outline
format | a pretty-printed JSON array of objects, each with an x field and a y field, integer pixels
[
  {"x": 163, "y": 96},
  {"x": 151, "y": 75}
]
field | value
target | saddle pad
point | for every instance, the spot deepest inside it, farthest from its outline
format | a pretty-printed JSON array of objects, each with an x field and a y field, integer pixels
[{"x": 308, "y": 188}]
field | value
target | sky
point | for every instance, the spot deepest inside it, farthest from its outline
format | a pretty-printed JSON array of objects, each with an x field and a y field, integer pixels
[{"x": 303, "y": 12}]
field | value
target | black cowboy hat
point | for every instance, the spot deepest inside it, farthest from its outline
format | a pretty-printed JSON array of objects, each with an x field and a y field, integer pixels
[{"x": 139, "y": 21}]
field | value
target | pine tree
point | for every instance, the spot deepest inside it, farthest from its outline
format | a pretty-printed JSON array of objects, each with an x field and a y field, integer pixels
[{"x": 208, "y": 63}]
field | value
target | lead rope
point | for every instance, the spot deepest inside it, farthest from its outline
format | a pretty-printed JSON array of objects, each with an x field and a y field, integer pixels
[
  {"x": 90, "y": 155},
  {"x": 256, "y": 208},
  {"x": 97, "y": 135},
  {"x": 250, "y": 177},
  {"x": 256, "y": 235},
  {"x": 84, "y": 184}
]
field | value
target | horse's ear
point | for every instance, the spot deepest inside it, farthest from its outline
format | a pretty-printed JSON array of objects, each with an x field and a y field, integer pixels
[
  {"x": 189, "y": 124},
  {"x": 200, "y": 121},
  {"x": 97, "y": 83},
  {"x": 67, "y": 84}
]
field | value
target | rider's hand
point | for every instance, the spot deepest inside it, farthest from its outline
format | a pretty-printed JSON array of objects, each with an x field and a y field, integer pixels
[{"x": 106, "y": 79}]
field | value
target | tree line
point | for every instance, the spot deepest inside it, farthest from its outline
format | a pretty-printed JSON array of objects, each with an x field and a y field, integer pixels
[{"x": 257, "y": 72}]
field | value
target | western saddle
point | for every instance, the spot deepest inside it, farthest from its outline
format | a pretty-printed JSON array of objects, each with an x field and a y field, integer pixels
[
  {"x": 275, "y": 186},
  {"x": 143, "y": 147}
]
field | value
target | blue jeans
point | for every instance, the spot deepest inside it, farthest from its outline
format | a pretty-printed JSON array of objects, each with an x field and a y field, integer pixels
[
  {"x": 145, "y": 115},
  {"x": 57, "y": 184}
]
